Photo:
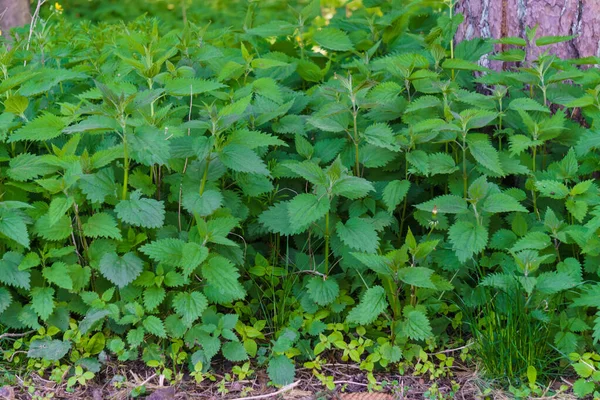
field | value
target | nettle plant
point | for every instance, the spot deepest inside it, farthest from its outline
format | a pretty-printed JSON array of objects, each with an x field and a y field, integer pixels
[{"x": 296, "y": 190}]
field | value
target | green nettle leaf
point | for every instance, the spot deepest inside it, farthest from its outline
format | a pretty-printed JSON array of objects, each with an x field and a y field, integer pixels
[
  {"x": 358, "y": 234},
  {"x": 281, "y": 370},
  {"x": 416, "y": 326},
  {"x": 58, "y": 208},
  {"x": 27, "y": 166},
  {"x": 102, "y": 225},
  {"x": 500, "y": 202},
  {"x": 352, "y": 187},
  {"x": 58, "y": 274},
  {"x": 153, "y": 297},
  {"x": 277, "y": 220},
  {"x": 467, "y": 239},
  {"x": 441, "y": 163},
  {"x": 417, "y": 276},
  {"x": 552, "y": 189},
  {"x": 305, "y": 209},
  {"x": 447, "y": 204},
  {"x": 578, "y": 208},
  {"x": 50, "y": 350},
  {"x": 167, "y": 251},
  {"x": 372, "y": 303},
  {"x": 381, "y": 135},
  {"x": 375, "y": 262},
  {"x": 44, "y": 127},
  {"x": 484, "y": 153},
  {"x": 155, "y": 326},
  {"x": 10, "y": 274},
  {"x": 202, "y": 204},
  {"x": 333, "y": 39},
  {"x": 193, "y": 255},
  {"x": 5, "y": 299},
  {"x": 222, "y": 277},
  {"x": 394, "y": 193},
  {"x": 137, "y": 211},
  {"x": 234, "y": 351},
  {"x": 323, "y": 291},
  {"x": 189, "y": 306},
  {"x": 532, "y": 240},
  {"x": 242, "y": 159},
  {"x": 308, "y": 170},
  {"x": 42, "y": 301},
  {"x": 121, "y": 270},
  {"x": 12, "y": 225},
  {"x": 189, "y": 86},
  {"x": 149, "y": 146},
  {"x": 56, "y": 232},
  {"x": 99, "y": 185}
]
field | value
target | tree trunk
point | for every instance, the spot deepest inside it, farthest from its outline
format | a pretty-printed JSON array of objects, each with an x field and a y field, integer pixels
[
  {"x": 501, "y": 18},
  {"x": 14, "y": 13}
]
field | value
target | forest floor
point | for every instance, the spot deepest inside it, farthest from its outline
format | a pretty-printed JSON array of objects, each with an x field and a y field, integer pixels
[{"x": 350, "y": 384}]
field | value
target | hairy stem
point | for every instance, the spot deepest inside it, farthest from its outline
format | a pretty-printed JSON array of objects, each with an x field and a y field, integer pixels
[
  {"x": 327, "y": 244},
  {"x": 125, "y": 167}
]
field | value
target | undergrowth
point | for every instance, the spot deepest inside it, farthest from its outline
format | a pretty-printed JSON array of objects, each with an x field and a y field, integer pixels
[{"x": 332, "y": 183}]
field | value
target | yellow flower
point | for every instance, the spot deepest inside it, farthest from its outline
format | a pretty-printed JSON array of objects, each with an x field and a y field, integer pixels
[{"x": 58, "y": 7}]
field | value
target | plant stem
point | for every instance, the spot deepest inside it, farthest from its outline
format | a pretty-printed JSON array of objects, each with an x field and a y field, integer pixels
[
  {"x": 327, "y": 244},
  {"x": 125, "y": 167},
  {"x": 464, "y": 166},
  {"x": 205, "y": 175},
  {"x": 534, "y": 196},
  {"x": 356, "y": 142}
]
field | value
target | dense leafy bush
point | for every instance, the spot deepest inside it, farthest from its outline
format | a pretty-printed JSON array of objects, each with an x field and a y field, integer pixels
[{"x": 332, "y": 184}]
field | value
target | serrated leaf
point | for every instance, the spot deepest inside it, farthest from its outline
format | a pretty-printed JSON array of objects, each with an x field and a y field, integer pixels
[
  {"x": 417, "y": 326},
  {"x": 44, "y": 127},
  {"x": 323, "y": 291},
  {"x": 467, "y": 239},
  {"x": 223, "y": 279},
  {"x": 352, "y": 187},
  {"x": 552, "y": 189},
  {"x": 143, "y": 212},
  {"x": 447, "y": 204},
  {"x": 12, "y": 225},
  {"x": 372, "y": 303},
  {"x": 189, "y": 306},
  {"x": 202, "y": 204},
  {"x": 333, "y": 39},
  {"x": 358, "y": 234},
  {"x": 102, "y": 225},
  {"x": 381, "y": 135},
  {"x": 281, "y": 370},
  {"x": 500, "y": 202},
  {"x": 190, "y": 86},
  {"x": 242, "y": 159},
  {"x": 5, "y": 299},
  {"x": 153, "y": 297},
  {"x": 484, "y": 153},
  {"x": 10, "y": 274},
  {"x": 394, "y": 193},
  {"x": 50, "y": 350},
  {"x": 42, "y": 301},
  {"x": 234, "y": 351},
  {"x": 155, "y": 326},
  {"x": 167, "y": 251},
  {"x": 305, "y": 209},
  {"x": 417, "y": 276},
  {"x": 120, "y": 270}
]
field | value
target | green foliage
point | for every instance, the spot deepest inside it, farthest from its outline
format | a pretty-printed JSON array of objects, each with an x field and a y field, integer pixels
[{"x": 282, "y": 188}]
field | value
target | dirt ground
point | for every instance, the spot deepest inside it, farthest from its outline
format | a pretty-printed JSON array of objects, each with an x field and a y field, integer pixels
[{"x": 350, "y": 384}]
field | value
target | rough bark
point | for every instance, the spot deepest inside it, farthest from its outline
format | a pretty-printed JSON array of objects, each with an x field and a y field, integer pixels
[
  {"x": 14, "y": 13},
  {"x": 501, "y": 18}
]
